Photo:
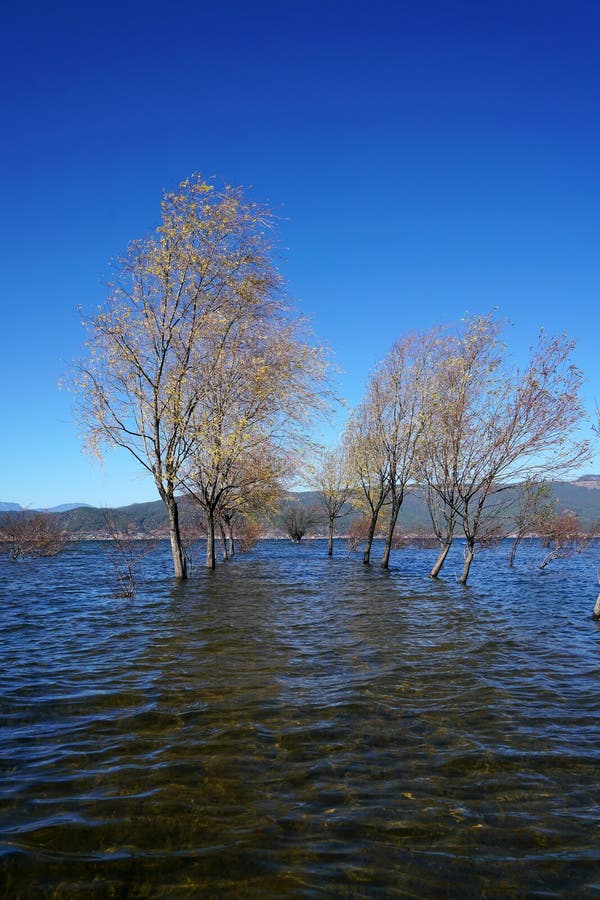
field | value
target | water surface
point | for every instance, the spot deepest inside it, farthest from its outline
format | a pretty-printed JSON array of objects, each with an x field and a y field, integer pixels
[{"x": 295, "y": 726}]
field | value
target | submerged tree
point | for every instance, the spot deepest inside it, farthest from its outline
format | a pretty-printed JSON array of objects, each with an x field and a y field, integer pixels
[
  {"x": 256, "y": 497},
  {"x": 232, "y": 487},
  {"x": 535, "y": 510},
  {"x": 454, "y": 443},
  {"x": 264, "y": 382},
  {"x": 491, "y": 424},
  {"x": 369, "y": 463},
  {"x": 564, "y": 536},
  {"x": 384, "y": 432},
  {"x": 247, "y": 532},
  {"x": 442, "y": 512},
  {"x": 32, "y": 534},
  {"x": 239, "y": 530},
  {"x": 152, "y": 347},
  {"x": 298, "y": 519},
  {"x": 333, "y": 482},
  {"x": 125, "y": 552},
  {"x": 358, "y": 532},
  {"x": 400, "y": 388}
]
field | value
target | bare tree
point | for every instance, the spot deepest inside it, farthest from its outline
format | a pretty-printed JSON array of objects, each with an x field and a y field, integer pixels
[
  {"x": 125, "y": 551},
  {"x": 491, "y": 424},
  {"x": 358, "y": 532},
  {"x": 233, "y": 484},
  {"x": 194, "y": 531},
  {"x": 32, "y": 534},
  {"x": 535, "y": 509},
  {"x": 444, "y": 449},
  {"x": 248, "y": 531},
  {"x": 241, "y": 528},
  {"x": 224, "y": 537},
  {"x": 384, "y": 433},
  {"x": 442, "y": 508},
  {"x": 401, "y": 387},
  {"x": 563, "y": 537},
  {"x": 298, "y": 520},
  {"x": 150, "y": 347},
  {"x": 369, "y": 464},
  {"x": 333, "y": 482}
]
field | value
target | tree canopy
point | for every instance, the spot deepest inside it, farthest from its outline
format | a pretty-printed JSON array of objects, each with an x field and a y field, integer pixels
[{"x": 194, "y": 336}]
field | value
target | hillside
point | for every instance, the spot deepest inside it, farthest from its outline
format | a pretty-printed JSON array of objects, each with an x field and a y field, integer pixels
[
  {"x": 149, "y": 519},
  {"x": 582, "y": 497}
]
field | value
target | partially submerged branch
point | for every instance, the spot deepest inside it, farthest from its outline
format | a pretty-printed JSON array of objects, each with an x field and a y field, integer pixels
[
  {"x": 565, "y": 537},
  {"x": 125, "y": 552}
]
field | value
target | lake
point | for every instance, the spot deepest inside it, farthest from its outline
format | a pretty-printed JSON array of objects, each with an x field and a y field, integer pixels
[{"x": 298, "y": 726}]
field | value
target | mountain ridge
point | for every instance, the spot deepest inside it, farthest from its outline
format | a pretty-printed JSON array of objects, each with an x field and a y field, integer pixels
[
  {"x": 7, "y": 506},
  {"x": 149, "y": 519},
  {"x": 588, "y": 482}
]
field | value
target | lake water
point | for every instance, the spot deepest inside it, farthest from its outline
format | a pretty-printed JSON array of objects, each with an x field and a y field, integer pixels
[{"x": 296, "y": 726}]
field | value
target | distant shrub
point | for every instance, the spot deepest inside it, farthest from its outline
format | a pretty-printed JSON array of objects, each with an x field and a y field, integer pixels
[{"x": 32, "y": 534}]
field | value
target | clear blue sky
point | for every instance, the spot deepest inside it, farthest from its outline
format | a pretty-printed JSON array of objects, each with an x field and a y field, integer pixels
[{"x": 427, "y": 158}]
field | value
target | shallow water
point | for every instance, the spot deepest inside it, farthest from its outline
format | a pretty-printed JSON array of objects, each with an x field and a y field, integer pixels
[{"x": 293, "y": 725}]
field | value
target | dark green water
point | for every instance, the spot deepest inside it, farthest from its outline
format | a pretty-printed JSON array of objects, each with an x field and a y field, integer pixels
[{"x": 295, "y": 726}]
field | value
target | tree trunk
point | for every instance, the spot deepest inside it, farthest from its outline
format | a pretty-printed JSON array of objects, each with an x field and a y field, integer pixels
[
  {"x": 469, "y": 554},
  {"x": 548, "y": 559},
  {"x": 513, "y": 550},
  {"x": 179, "y": 561},
  {"x": 385, "y": 562},
  {"x": 370, "y": 536},
  {"x": 224, "y": 541},
  {"x": 210, "y": 539},
  {"x": 231, "y": 542},
  {"x": 596, "y": 613},
  {"x": 330, "y": 541},
  {"x": 441, "y": 559}
]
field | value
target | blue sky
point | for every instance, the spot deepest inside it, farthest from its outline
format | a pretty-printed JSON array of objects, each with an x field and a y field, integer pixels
[{"x": 426, "y": 159}]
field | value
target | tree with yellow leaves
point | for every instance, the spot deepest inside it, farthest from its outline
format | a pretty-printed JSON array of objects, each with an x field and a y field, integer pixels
[
  {"x": 400, "y": 388},
  {"x": 385, "y": 431},
  {"x": 156, "y": 348},
  {"x": 262, "y": 382},
  {"x": 364, "y": 444},
  {"x": 491, "y": 424}
]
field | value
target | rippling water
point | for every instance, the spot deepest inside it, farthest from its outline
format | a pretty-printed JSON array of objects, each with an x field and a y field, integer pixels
[{"x": 298, "y": 726}]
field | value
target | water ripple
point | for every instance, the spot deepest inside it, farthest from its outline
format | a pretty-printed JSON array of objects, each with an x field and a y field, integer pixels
[{"x": 299, "y": 726}]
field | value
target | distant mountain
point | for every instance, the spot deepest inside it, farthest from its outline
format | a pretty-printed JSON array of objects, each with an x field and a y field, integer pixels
[
  {"x": 588, "y": 481},
  {"x": 581, "y": 497},
  {"x": 65, "y": 507},
  {"x": 149, "y": 519},
  {"x": 143, "y": 519}
]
